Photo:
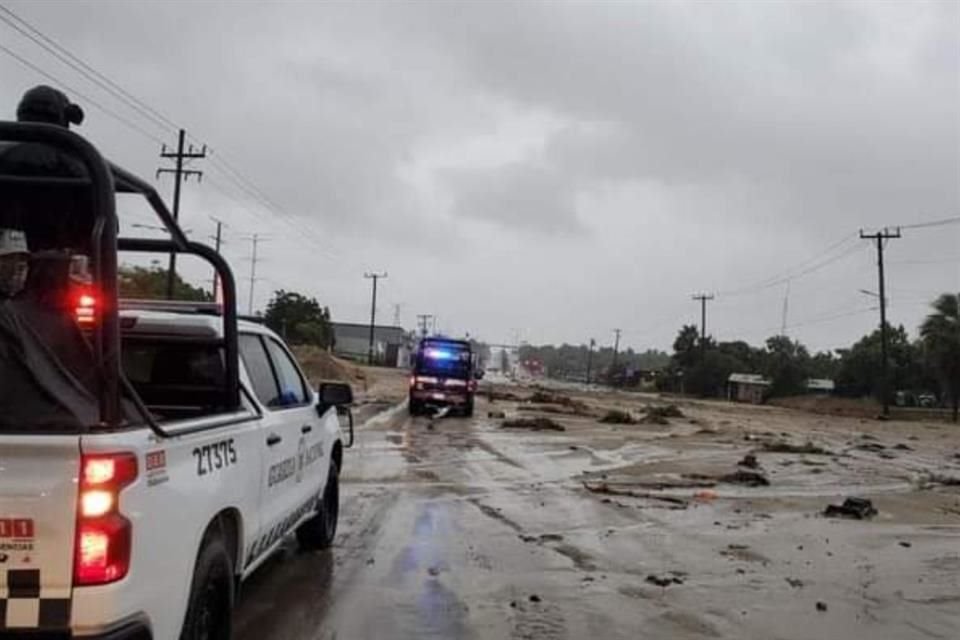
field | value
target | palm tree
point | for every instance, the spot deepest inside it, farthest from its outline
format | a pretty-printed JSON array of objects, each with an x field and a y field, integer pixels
[{"x": 941, "y": 339}]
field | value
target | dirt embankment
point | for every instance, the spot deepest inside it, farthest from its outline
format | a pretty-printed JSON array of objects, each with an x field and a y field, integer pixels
[
  {"x": 320, "y": 365},
  {"x": 371, "y": 384}
]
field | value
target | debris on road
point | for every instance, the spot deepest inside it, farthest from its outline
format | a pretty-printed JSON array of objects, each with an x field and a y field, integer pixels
[
  {"x": 796, "y": 583},
  {"x": 856, "y": 508},
  {"x": 905, "y": 544},
  {"x": 543, "y": 537},
  {"x": 534, "y": 597},
  {"x": 945, "y": 480},
  {"x": 744, "y": 553},
  {"x": 552, "y": 408},
  {"x": 533, "y": 424},
  {"x": 497, "y": 415},
  {"x": 821, "y": 606},
  {"x": 494, "y": 395},
  {"x": 663, "y": 581},
  {"x": 661, "y": 414},
  {"x": 605, "y": 488},
  {"x": 542, "y": 396},
  {"x": 781, "y": 446},
  {"x": 749, "y": 461},
  {"x": 747, "y": 478},
  {"x": 903, "y": 447},
  {"x": 616, "y": 416}
]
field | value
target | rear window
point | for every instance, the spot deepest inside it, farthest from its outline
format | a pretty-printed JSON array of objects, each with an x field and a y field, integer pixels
[
  {"x": 444, "y": 359},
  {"x": 176, "y": 379}
]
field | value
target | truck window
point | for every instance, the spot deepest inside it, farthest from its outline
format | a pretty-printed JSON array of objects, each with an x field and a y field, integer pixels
[
  {"x": 293, "y": 389},
  {"x": 259, "y": 369},
  {"x": 176, "y": 380}
]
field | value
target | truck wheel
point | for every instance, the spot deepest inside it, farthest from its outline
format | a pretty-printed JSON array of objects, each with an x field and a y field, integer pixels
[
  {"x": 318, "y": 532},
  {"x": 468, "y": 408},
  {"x": 415, "y": 407},
  {"x": 210, "y": 606}
]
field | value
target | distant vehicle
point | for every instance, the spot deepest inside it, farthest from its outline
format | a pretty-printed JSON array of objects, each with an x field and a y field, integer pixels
[
  {"x": 152, "y": 454},
  {"x": 444, "y": 374}
]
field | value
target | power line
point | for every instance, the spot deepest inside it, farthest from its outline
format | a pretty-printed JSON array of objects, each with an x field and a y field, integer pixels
[
  {"x": 703, "y": 298},
  {"x": 805, "y": 268},
  {"x": 373, "y": 311},
  {"x": 932, "y": 223},
  {"x": 255, "y": 239},
  {"x": 50, "y": 45},
  {"x": 180, "y": 174},
  {"x": 55, "y": 49},
  {"x": 58, "y": 81},
  {"x": 880, "y": 237}
]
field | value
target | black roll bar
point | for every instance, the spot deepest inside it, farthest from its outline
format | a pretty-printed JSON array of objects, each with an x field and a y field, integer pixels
[
  {"x": 230, "y": 332},
  {"x": 103, "y": 181},
  {"x": 103, "y": 245}
]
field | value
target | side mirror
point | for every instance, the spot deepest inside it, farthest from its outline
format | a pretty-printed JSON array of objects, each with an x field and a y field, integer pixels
[
  {"x": 339, "y": 395},
  {"x": 335, "y": 394}
]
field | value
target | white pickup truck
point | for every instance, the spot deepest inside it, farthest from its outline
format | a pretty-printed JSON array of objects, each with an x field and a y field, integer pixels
[{"x": 152, "y": 455}]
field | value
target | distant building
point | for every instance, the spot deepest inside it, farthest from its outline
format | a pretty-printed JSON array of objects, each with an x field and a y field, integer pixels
[
  {"x": 820, "y": 386},
  {"x": 750, "y": 387},
  {"x": 390, "y": 345},
  {"x": 747, "y": 387}
]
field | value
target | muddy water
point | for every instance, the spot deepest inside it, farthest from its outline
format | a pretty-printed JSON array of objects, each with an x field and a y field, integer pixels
[{"x": 454, "y": 528}]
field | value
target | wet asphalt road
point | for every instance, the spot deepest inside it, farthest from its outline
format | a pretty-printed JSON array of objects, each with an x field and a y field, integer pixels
[{"x": 457, "y": 529}]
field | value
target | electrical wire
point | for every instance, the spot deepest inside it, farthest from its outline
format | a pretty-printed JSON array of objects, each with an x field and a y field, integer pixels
[
  {"x": 61, "y": 53},
  {"x": 98, "y": 105}
]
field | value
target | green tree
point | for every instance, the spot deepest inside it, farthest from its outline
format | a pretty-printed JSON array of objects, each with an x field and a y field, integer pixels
[
  {"x": 150, "y": 283},
  {"x": 787, "y": 366},
  {"x": 301, "y": 320},
  {"x": 686, "y": 348},
  {"x": 940, "y": 333},
  {"x": 860, "y": 365}
]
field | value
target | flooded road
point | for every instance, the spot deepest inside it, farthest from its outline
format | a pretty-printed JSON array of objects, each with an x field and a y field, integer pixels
[{"x": 457, "y": 528}]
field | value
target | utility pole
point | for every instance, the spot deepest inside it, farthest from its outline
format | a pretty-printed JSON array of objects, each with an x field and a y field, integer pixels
[
  {"x": 218, "y": 241},
  {"x": 422, "y": 320},
  {"x": 373, "y": 310},
  {"x": 880, "y": 236},
  {"x": 616, "y": 350},
  {"x": 593, "y": 343},
  {"x": 180, "y": 174},
  {"x": 703, "y": 297},
  {"x": 255, "y": 239}
]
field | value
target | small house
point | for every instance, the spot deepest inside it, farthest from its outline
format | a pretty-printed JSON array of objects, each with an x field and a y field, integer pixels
[{"x": 747, "y": 387}]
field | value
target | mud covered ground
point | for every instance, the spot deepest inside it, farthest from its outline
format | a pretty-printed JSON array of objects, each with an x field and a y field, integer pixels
[{"x": 460, "y": 528}]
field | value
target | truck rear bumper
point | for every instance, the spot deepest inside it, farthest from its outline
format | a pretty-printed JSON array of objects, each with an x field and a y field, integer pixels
[{"x": 440, "y": 398}]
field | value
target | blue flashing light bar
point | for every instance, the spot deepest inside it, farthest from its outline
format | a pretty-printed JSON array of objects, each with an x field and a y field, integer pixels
[{"x": 439, "y": 354}]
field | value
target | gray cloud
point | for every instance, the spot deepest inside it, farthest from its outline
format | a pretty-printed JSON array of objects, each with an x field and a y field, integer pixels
[{"x": 560, "y": 168}]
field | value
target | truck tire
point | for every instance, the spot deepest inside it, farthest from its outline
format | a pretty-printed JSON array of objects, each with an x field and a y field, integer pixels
[
  {"x": 209, "y": 610},
  {"x": 318, "y": 532},
  {"x": 468, "y": 407}
]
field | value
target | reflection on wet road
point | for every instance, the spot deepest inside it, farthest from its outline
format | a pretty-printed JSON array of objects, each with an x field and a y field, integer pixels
[{"x": 457, "y": 529}]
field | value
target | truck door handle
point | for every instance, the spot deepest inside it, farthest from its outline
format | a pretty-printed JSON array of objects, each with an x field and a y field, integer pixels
[
  {"x": 306, "y": 429},
  {"x": 273, "y": 439}
]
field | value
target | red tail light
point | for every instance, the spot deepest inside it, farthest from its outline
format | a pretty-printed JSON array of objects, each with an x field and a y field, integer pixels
[
  {"x": 103, "y": 542},
  {"x": 85, "y": 305}
]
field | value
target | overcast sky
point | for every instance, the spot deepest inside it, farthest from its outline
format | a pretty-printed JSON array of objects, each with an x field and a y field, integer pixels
[{"x": 548, "y": 170}]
